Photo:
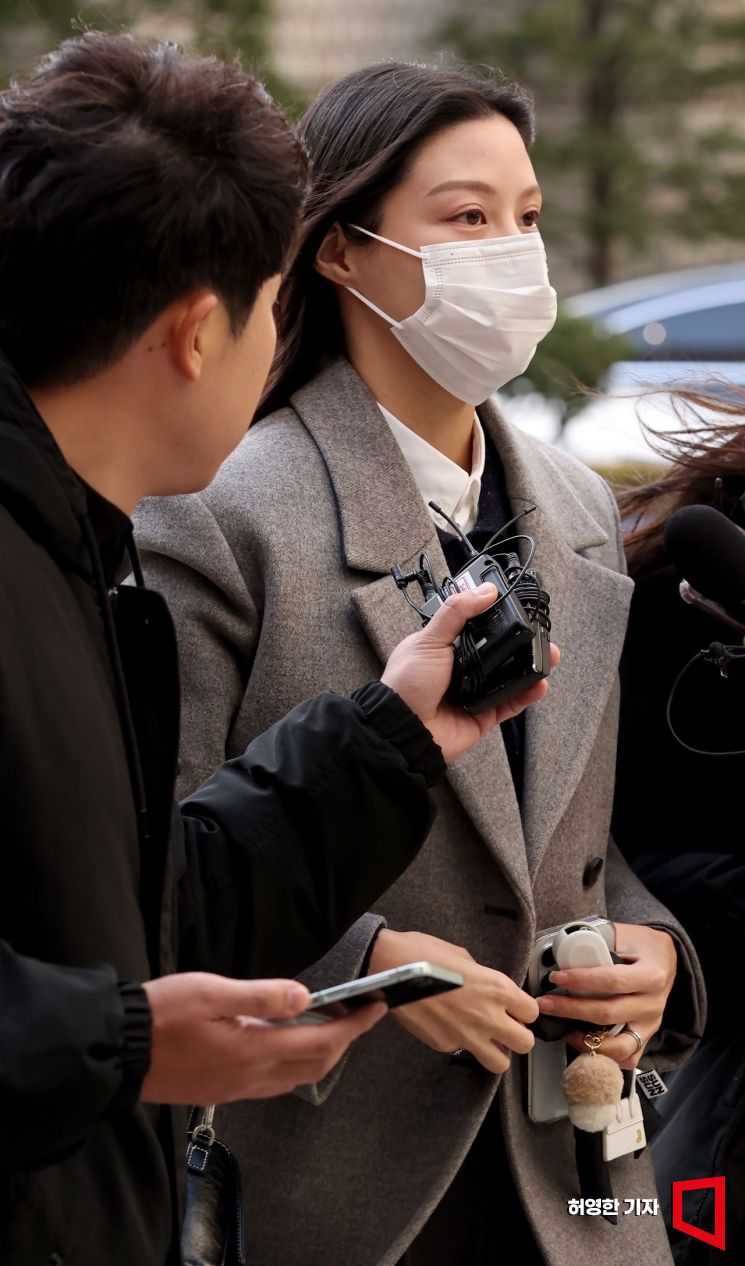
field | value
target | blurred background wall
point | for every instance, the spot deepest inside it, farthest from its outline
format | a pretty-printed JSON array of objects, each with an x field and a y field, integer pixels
[{"x": 640, "y": 153}]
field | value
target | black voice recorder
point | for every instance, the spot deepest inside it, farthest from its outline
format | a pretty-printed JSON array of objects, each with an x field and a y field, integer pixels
[{"x": 503, "y": 651}]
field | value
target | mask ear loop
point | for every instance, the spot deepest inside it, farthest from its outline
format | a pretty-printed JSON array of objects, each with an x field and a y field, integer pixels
[
  {"x": 363, "y": 298},
  {"x": 369, "y": 303},
  {"x": 397, "y": 245}
]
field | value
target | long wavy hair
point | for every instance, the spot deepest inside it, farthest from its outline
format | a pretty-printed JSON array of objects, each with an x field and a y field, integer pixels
[
  {"x": 360, "y": 135},
  {"x": 706, "y": 458}
]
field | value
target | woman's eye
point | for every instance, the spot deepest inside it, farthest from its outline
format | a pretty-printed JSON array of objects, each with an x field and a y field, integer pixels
[
  {"x": 473, "y": 216},
  {"x": 530, "y": 219}
]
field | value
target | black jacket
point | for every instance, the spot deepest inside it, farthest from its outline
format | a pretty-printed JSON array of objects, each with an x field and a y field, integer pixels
[
  {"x": 678, "y": 816},
  {"x": 106, "y": 884}
]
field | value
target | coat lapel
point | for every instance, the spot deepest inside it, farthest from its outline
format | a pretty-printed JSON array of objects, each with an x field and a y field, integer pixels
[
  {"x": 384, "y": 521},
  {"x": 481, "y": 779},
  {"x": 589, "y": 607},
  {"x": 370, "y": 477}
]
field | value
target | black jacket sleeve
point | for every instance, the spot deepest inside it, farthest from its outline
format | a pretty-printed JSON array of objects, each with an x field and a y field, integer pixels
[
  {"x": 74, "y": 1044},
  {"x": 288, "y": 844}
]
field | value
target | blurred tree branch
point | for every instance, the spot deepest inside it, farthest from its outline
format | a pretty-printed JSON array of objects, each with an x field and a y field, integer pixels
[
  {"x": 28, "y": 28},
  {"x": 636, "y": 125}
]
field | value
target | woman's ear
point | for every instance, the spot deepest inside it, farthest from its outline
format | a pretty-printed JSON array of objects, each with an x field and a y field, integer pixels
[{"x": 332, "y": 258}]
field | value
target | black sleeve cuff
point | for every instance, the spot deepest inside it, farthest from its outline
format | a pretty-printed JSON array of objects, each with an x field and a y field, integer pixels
[
  {"x": 137, "y": 1033},
  {"x": 394, "y": 720}
]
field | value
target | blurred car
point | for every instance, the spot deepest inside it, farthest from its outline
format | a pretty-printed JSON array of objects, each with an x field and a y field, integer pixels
[
  {"x": 693, "y": 315},
  {"x": 687, "y": 329}
]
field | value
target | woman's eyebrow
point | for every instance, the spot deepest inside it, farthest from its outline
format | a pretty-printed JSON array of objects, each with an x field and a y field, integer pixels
[{"x": 479, "y": 186}]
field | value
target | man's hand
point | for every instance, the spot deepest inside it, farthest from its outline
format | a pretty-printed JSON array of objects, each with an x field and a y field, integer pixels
[
  {"x": 487, "y": 1016},
  {"x": 211, "y": 1043},
  {"x": 635, "y": 992},
  {"x": 420, "y": 668}
]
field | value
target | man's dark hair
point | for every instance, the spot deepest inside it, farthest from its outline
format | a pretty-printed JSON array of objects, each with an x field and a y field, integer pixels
[{"x": 130, "y": 175}]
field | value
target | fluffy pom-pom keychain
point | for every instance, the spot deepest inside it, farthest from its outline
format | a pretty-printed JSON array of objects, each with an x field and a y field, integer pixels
[{"x": 593, "y": 1085}]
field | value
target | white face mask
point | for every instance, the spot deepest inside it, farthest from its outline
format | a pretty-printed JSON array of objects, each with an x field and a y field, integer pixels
[{"x": 487, "y": 305}]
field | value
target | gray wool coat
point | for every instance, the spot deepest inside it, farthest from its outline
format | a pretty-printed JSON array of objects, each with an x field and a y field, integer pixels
[{"x": 278, "y": 578}]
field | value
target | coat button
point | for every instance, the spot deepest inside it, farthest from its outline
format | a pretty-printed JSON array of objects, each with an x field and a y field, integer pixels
[{"x": 592, "y": 872}]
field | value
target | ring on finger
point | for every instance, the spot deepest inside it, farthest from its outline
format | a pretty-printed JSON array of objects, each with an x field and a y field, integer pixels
[{"x": 637, "y": 1037}]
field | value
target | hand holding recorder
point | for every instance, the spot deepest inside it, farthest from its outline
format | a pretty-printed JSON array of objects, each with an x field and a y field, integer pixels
[{"x": 420, "y": 670}]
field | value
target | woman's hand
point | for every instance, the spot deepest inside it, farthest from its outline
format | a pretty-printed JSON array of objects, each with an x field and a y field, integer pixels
[
  {"x": 635, "y": 993},
  {"x": 487, "y": 1016},
  {"x": 420, "y": 669}
]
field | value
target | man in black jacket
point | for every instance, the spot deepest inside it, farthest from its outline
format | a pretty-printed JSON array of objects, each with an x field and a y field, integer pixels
[{"x": 147, "y": 203}]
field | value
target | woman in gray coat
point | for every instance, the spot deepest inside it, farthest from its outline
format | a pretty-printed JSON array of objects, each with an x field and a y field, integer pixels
[{"x": 420, "y": 288}]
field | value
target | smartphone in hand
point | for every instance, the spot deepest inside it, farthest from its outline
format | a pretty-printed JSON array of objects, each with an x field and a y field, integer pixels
[{"x": 398, "y": 988}]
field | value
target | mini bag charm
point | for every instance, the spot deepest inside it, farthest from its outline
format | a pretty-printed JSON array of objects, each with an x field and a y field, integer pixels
[
  {"x": 593, "y": 1085},
  {"x": 626, "y": 1133}
]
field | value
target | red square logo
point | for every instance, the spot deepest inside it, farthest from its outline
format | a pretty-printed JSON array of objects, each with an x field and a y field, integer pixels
[{"x": 715, "y": 1238}]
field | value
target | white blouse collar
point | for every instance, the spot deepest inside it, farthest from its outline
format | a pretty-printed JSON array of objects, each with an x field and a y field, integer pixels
[{"x": 440, "y": 479}]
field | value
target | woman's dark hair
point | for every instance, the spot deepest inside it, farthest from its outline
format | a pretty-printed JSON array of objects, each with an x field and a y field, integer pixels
[
  {"x": 707, "y": 467},
  {"x": 131, "y": 174},
  {"x": 361, "y": 134}
]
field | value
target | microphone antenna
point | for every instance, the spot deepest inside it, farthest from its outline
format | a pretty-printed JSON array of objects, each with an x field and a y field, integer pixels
[
  {"x": 472, "y": 553},
  {"x": 494, "y": 539}
]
